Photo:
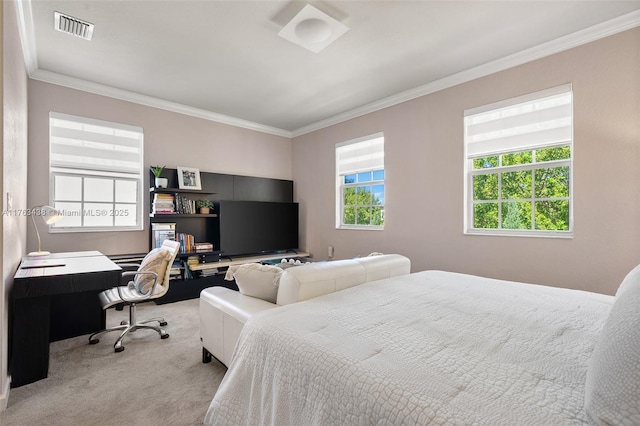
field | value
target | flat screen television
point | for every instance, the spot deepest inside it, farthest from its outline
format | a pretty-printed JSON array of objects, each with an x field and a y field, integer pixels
[{"x": 255, "y": 227}]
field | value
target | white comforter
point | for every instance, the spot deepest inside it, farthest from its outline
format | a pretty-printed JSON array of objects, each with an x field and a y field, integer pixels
[{"x": 427, "y": 348}]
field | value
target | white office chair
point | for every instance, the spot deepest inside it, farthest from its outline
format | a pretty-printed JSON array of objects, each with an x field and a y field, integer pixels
[{"x": 151, "y": 281}]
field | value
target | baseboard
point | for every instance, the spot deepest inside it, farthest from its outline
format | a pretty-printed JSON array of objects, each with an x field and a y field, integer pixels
[{"x": 4, "y": 396}]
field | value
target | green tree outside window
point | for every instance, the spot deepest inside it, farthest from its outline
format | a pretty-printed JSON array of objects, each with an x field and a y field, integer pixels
[{"x": 535, "y": 198}]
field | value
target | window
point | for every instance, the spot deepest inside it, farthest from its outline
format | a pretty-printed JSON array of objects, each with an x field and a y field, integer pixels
[
  {"x": 95, "y": 174},
  {"x": 518, "y": 156},
  {"x": 360, "y": 183}
]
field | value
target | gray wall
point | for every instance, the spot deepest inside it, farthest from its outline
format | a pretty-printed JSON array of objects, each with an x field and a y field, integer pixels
[
  {"x": 14, "y": 172},
  {"x": 424, "y": 175}
]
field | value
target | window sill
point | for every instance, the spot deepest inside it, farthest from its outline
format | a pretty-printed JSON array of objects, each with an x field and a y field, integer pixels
[
  {"x": 78, "y": 229},
  {"x": 566, "y": 235},
  {"x": 361, "y": 228}
]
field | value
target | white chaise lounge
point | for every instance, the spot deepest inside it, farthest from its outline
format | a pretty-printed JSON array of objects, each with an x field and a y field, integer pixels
[{"x": 223, "y": 312}]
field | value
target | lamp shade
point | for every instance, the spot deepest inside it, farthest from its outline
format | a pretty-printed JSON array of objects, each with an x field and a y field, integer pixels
[{"x": 49, "y": 216}]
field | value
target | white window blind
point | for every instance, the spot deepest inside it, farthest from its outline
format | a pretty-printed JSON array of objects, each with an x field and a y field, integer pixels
[
  {"x": 352, "y": 157},
  {"x": 534, "y": 121},
  {"x": 96, "y": 174},
  {"x": 84, "y": 143}
]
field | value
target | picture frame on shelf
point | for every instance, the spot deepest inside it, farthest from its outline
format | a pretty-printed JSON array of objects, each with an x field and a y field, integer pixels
[{"x": 189, "y": 178}]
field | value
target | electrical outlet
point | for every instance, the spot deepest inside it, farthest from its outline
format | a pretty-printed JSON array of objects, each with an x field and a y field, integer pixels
[{"x": 330, "y": 252}]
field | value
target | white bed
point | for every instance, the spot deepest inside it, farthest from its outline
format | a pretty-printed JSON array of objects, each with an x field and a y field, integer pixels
[{"x": 430, "y": 348}]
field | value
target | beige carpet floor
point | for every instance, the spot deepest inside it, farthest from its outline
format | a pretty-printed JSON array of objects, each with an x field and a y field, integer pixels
[{"x": 152, "y": 382}]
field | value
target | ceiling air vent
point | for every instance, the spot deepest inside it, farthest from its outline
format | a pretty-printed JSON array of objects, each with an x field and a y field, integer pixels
[{"x": 74, "y": 26}]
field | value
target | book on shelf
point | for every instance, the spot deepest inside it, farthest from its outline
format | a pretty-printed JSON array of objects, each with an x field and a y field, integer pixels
[
  {"x": 163, "y": 204},
  {"x": 161, "y": 232},
  {"x": 176, "y": 270},
  {"x": 188, "y": 263},
  {"x": 184, "y": 205},
  {"x": 203, "y": 247},
  {"x": 208, "y": 272},
  {"x": 193, "y": 260},
  {"x": 186, "y": 241}
]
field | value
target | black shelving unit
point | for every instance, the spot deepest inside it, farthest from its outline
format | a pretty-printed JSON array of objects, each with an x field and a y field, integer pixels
[{"x": 206, "y": 227}]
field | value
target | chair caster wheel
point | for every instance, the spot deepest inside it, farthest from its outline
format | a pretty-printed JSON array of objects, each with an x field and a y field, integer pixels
[
  {"x": 93, "y": 341},
  {"x": 164, "y": 336},
  {"x": 163, "y": 324},
  {"x": 118, "y": 349},
  {"x": 123, "y": 323}
]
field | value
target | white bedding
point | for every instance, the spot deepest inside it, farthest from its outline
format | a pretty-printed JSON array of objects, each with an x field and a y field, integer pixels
[{"x": 427, "y": 348}]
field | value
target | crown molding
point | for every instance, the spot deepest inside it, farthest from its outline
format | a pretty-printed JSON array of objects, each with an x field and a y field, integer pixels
[
  {"x": 125, "y": 95},
  {"x": 596, "y": 32},
  {"x": 27, "y": 35}
]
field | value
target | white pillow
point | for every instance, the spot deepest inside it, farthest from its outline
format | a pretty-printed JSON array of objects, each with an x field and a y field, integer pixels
[
  {"x": 256, "y": 280},
  {"x": 612, "y": 390},
  {"x": 155, "y": 261}
]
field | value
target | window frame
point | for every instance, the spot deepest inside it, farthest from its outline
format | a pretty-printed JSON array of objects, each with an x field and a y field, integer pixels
[
  {"x": 470, "y": 173},
  {"x": 341, "y": 186},
  {"x": 97, "y": 173}
]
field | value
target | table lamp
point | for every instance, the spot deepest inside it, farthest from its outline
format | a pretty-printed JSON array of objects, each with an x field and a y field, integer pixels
[{"x": 49, "y": 215}]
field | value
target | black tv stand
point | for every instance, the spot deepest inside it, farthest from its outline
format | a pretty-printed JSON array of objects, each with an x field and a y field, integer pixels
[{"x": 216, "y": 187}]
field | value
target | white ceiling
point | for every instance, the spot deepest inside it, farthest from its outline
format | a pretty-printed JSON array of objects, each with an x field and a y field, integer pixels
[{"x": 224, "y": 60}]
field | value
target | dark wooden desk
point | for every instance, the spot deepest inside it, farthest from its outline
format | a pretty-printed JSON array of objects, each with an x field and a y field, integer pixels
[{"x": 53, "y": 303}]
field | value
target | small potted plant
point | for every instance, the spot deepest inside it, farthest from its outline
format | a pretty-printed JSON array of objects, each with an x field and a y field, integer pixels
[
  {"x": 204, "y": 205},
  {"x": 160, "y": 181}
]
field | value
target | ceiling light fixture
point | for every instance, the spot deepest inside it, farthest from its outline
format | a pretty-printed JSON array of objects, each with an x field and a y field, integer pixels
[
  {"x": 313, "y": 29},
  {"x": 74, "y": 26}
]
